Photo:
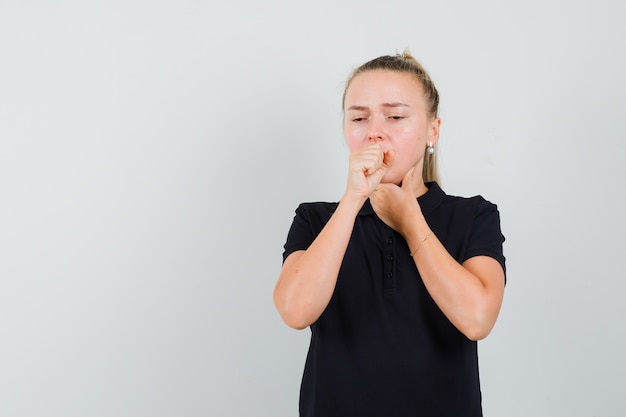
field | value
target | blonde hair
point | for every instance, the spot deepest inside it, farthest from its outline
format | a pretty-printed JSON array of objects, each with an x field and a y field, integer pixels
[{"x": 405, "y": 63}]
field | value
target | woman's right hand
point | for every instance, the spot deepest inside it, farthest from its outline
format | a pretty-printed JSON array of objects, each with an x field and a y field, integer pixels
[{"x": 367, "y": 167}]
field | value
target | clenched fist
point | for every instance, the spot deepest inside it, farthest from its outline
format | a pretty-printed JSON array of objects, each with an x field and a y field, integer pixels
[{"x": 367, "y": 167}]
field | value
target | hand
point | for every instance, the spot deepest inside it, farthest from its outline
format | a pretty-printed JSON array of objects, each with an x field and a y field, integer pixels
[
  {"x": 397, "y": 205},
  {"x": 366, "y": 168}
]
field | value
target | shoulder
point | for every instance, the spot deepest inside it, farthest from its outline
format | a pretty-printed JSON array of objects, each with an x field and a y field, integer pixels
[
  {"x": 468, "y": 227},
  {"x": 319, "y": 208},
  {"x": 463, "y": 217},
  {"x": 438, "y": 201},
  {"x": 475, "y": 203},
  {"x": 316, "y": 212},
  {"x": 308, "y": 222},
  {"x": 480, "y": 216}
]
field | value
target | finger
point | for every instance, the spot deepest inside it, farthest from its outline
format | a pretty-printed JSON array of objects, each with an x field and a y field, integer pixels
[
  {"x": 366, "y": 160},
  {"x": 374, "y": 159},
  {"x": 371, "y": 165},
  {"x": 386, "y": 162},
  {"x": 376, "y": 176},
  {"x": 407, "y": 181}
]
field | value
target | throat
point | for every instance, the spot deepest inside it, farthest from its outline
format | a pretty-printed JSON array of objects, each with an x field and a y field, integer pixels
[{"x": 419, "y": 189}]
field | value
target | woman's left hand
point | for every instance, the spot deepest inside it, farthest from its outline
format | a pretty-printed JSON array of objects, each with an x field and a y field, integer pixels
[
  {"x": 469, "y": 294},
  {"x": 397, "y": 205}
]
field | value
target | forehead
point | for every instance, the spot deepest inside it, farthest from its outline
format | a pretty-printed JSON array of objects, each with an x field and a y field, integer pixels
[{"x": 384, "y": 86}]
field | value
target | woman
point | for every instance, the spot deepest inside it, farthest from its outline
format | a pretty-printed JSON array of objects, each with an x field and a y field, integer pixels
[{"x": 398, "y": 280}]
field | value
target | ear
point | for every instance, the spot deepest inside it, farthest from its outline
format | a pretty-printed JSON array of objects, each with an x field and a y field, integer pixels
[{"x": 433, "y": 130}]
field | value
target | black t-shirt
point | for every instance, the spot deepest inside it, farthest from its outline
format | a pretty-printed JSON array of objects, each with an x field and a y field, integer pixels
[{"x": 382, "y": 347}]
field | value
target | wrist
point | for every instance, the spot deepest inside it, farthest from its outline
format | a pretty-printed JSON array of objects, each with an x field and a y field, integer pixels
[
  {"x": 354, "y": 198},
  {"x": 415, "y": 249},
  {"x": 413, "y": 223},
  {"x": 418, "y": 233},
  {"x": 351, "y": 203}
]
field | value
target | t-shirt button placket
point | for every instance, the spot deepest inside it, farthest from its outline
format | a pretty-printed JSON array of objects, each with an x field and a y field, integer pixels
[{"x": 388, "y": 281}]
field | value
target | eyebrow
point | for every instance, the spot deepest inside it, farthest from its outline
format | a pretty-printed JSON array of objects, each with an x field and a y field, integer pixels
[{"x": 390, "y": 105}]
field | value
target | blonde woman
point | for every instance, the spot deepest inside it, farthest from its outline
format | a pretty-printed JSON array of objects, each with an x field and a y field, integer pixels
[{"x": 397, "y": 280}]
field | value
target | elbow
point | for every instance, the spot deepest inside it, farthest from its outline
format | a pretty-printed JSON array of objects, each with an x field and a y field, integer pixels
[
  {"x": 294, "y": 323},
  {"x": 291, "y": 316},
  {"x": 477, "y": 333},
  {"x": 478, "y": 322},
  {"x": 478, "y": 328},
  {"x": 293, "y": 319}
]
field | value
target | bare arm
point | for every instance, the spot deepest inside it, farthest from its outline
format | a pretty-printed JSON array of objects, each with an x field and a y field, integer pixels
[
  {"x": 469, "y": 294},
  {"x": 307, "y": 279}
]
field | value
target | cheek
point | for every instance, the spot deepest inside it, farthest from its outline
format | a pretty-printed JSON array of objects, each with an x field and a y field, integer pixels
[
  {"x": 411, "y": 147},
  {"x": 353, "y": 138},
  {"x": 353, "y": 145}
]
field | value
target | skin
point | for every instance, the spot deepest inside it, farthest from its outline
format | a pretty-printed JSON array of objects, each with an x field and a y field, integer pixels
[{"x": 387, "y": 129}]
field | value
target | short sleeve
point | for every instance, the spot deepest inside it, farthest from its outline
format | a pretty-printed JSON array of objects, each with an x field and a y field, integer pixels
[
  {"x": 308, "y": 222},
  {"x": 486, "y": 237}
]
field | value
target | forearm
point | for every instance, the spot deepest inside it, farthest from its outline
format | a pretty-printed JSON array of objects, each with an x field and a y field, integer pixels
[
  {"x": 307, "y": 281},
  {"x": 470, "y": 295}
]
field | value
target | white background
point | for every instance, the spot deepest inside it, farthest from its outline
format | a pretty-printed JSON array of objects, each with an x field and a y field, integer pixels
[{"x": 152, "y": 155}]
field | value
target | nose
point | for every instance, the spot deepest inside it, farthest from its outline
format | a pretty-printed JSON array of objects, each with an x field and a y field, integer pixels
[{"x": 375, "y": 131}]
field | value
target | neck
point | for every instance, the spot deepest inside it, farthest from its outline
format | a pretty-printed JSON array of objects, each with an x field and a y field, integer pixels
[{"x": 419, "y": 188}]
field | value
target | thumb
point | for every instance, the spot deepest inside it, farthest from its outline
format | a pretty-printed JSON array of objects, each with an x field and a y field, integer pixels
[
  {"x": 388, "y": 158},
  {"x": 407, "y": 181}
]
